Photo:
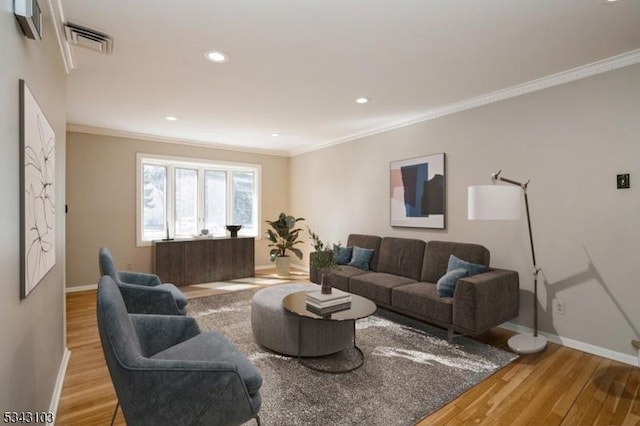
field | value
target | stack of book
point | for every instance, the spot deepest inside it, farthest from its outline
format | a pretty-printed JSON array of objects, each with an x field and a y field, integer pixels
[{"x": 324, "y": 304}]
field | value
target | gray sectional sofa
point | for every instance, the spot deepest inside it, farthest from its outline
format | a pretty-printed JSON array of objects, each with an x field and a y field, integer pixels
[{"x": 402, "y": 277}]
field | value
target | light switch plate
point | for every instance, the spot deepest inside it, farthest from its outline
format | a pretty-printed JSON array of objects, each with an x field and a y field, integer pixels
[{"x": 623, "y": 181}]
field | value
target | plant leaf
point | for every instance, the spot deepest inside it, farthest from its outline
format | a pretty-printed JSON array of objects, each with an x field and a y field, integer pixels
[{"x": 297, "y": 252}]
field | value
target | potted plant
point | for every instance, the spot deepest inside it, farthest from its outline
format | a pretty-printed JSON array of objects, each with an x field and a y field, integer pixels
[
  {"x": 323, "y": 259},
  {"x": 283, "y": 238}
]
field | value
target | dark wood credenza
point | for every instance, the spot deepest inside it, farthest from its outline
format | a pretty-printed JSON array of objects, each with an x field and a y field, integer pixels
[{"x": 193, "y": 261}]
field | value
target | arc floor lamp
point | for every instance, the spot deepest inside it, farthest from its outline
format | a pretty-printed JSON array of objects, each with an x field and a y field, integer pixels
[{"x": 501, "y": 202}]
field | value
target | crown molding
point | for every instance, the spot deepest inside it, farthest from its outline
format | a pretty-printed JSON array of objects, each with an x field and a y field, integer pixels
[
  {"x": 57, "y": 17},
  {"x": 78, "y": 128},
  {"x": 578, "y": 73}
]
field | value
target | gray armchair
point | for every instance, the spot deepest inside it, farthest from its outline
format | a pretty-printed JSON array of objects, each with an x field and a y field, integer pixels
[
  {"x": 167, "y": 372},
  {"x": 143, "y": 293}
]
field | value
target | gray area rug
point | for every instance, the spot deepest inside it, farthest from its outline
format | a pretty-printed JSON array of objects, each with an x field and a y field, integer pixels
[{"x": 409, "y": 371}]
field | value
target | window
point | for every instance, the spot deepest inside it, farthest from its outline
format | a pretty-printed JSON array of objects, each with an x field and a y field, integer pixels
[{"x": 187, "y": 195}]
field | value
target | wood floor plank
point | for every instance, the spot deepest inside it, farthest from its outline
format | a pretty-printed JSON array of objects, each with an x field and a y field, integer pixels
[
  {"x": 557, "y": 386},
  {"x": 616, "y": 403},
  {"x": 634, "y": 410},
  {"x": 548, "y": 389},
  {"x": 629, "y": 394},
  {"x": 521, "y": 396},
  {"x": 585, "y": 406},
  {"x": 577, "y": 379}
]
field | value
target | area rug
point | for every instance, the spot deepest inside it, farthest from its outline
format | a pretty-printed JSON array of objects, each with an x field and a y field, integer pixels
[{"x": 409, "y": 371}]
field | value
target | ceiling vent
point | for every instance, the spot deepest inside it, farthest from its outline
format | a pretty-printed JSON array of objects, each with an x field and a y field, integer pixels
[{"x": 78, "y": 35}]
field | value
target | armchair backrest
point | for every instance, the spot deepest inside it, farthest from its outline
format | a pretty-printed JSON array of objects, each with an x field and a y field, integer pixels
[
  {"x": 107, "y": 265},
  {"x": 117, "y": 333}
]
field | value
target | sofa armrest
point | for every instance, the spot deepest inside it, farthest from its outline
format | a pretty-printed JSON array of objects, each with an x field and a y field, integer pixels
[{"x": 486, "y": 300}]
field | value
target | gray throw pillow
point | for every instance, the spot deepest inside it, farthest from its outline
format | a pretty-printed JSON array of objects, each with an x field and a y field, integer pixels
[
  {"x": 447, "y": 283},
  {"x": 471, "y": 268},
  {"x": 344, "y": 255},
  {"x": 361, "y": 258}
]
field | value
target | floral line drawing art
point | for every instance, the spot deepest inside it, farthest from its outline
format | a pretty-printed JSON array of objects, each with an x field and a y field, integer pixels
[{"x": 38, "y": 192}]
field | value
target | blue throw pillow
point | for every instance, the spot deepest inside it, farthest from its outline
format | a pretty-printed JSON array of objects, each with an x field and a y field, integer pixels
[
  {"x": 361, "y": 258},
  {"x": 344, "y": 255},
  {"x": 471, "y": 268},
  {"x": 447, "y": 283}
]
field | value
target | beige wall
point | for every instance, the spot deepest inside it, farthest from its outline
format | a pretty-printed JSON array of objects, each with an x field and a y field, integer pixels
[
  {"x": 101, "y": 196},
  {"x": 571, "y": 141},
  {"x": 31, "y": 330}
]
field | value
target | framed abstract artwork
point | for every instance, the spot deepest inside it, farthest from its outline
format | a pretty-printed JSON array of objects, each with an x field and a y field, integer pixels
[
  {"x": 417, "y": 192},
  {"x": 37, "y": 188}
]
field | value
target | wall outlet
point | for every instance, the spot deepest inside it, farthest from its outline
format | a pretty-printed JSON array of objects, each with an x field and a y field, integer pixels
[{"x": 559, "y": 307}]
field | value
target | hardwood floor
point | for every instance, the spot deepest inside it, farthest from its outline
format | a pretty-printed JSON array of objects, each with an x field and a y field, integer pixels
[{"x": 559, "y": 386}]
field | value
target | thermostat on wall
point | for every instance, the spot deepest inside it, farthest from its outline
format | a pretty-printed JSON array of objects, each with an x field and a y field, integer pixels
[{"x": 29, "y": 17}]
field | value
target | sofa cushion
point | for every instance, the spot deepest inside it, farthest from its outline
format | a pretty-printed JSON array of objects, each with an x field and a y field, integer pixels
[
  {"x": 447, "y": 283},
  {"x": 401, "y": 256},
  {"x": 343, "y": 255},
  {"x": 471, "y": 268},
  {"x": 423, "y": 300},
  {"x": 376, "y": 286},
  {"x": 361, "y": 258},
  {"x": 340, "y": 276},
  {"x": 436, "y": 257},
  {"x": 367, "y": 241}
]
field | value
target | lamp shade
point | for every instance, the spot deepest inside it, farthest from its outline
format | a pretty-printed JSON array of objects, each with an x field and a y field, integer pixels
[{"x": 494, "y": 202}]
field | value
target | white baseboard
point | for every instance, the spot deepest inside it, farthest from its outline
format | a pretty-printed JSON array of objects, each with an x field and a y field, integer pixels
[
  {"x": 57, "y": 390},
  {"x": 273, "y": 265},
  {"x": 88, "y": 287},
  {"x": 78, "y": 288},
  {"x": 576, "y": 344}
]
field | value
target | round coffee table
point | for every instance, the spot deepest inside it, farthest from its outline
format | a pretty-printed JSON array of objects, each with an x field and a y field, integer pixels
[{"x": 360, "y": 308}]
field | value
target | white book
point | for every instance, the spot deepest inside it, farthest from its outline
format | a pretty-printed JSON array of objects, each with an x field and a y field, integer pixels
[
  {"x": 330, "y": 310},
  {"x": 335, "y": 295},
  {"x": 327, "y": 304}
]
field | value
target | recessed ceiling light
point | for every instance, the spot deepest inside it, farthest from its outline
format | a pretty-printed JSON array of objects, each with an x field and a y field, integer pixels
[
  {"x": 609, "y": 1},
  {"x": 362, "y": 100},
  {"x": 216, "y": 56},
  {"x": 275, "y": 135},
  {"x": 170, "y": 118}
]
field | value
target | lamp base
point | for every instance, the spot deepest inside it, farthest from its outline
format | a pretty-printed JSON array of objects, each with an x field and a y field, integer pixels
[{"x": 527, "y": 343}]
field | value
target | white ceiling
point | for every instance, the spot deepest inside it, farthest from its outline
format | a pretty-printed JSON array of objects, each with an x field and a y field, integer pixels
[{"x": 296, "y": 67}]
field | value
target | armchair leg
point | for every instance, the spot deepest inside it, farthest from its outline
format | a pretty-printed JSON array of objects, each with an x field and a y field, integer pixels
[
  {"x": 113, "y": 418},
  {"x": 258, "y": 420}
]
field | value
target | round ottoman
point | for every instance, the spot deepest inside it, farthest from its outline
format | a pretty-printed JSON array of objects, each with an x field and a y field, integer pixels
[{"x": 277, "y": 329}]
